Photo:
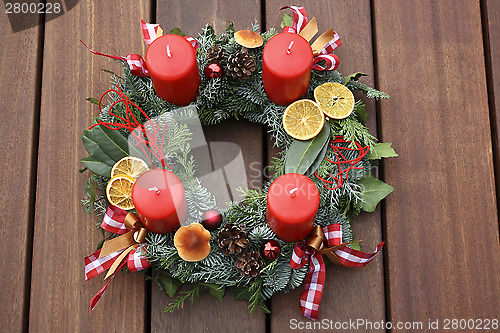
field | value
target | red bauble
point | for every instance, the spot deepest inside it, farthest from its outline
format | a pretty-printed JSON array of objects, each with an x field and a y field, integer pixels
[
  {"x": 212, "y": 219},
  {"x": 271, "y": 249},
  {"x": 213, "y": 70}
]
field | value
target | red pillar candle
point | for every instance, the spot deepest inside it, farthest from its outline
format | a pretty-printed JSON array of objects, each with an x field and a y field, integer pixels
[
  {"x": 292, "y": 203},
  {"x": 158, "y": 197},
  {"x": 171, "y": 62},
  {"x": 286, "y": 67}
]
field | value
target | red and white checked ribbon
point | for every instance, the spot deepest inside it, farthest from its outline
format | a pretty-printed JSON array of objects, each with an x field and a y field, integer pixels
[
  {"x": 149, "y": 31},
  {"x": 113, "y": 221},
  {"x": 135, "y": 62},
  {"x": 310, "y": 297},
  {"x": 193, "y": 42},
  {"x": 299, "y": 22},
  {"x": 299, "y": 19}
]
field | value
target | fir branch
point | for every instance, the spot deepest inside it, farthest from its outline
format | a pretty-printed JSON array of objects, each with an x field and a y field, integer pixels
[
  {"x": 368, "y": 91},
  {"x": 256, "y": 298},
  {"x": 178, "y": 302}
]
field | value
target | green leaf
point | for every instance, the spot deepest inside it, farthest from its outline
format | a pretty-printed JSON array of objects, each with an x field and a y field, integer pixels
[
  {"x": 355, "y": 246},
  {"x": 241, "y": 293},
  {"x": 361, "y": 114},
  {"x": 286, "y": 20},
  {"x": 302, "y": 154},
  {"x": 380, "y": 150},
  {"x": 373, "y": 191},
  {"x": 168, "y": 283},
  {"x": 215, "y": 290},
  {"x": 93, "y": 148},
  {"x": 93, "y": 100},
  {"x": 177, "y": 31},
  {"x": 112, "y": 142},
  {"x": 82, "y": 170},
  {"x": 354, "y": 77},
  {"x": 321, "y": 156},
  {"x": 97, "y": 166},
  {"x": 90, "y": 189}
]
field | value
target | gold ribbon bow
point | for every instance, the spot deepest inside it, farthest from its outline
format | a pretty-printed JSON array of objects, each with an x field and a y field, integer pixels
[
  {"x": 129, "y": 241},
  {"x": 316, "y": 241},
  {"x": 310, "y": 30}
]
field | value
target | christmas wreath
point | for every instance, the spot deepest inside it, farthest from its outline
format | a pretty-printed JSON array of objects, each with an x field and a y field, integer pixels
[{"x": 157, "y": 213}]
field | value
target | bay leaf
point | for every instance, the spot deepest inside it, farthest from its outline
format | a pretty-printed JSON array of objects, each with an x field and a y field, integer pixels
[
  {"x": 112, "y": 142},
  {"x": 93, "y": 148},
  {"x": 168, "y": 283},
  {"x": 96, "y": 166},
  {"x": 380, "y": 150},
  {"x": 303, "y": 153},
  {"x": 373, "y": 191}
]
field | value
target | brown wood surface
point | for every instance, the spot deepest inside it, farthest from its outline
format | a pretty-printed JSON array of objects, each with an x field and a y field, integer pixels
[
  {"x": 491, "y": 31},
  {"x": 20, "y": 96},
  {"x": 349, "y": 293},
  {"x": 63, "y": 232},
  {"x": 442, "y": 227},
  {"x": 208, "y": 314},
  {"x": 439, "y": 61}
]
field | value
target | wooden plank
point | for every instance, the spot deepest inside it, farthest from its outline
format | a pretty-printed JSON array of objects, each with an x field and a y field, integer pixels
[
  {"x": 442, "y": 224},
  {"x": 64, "y": 233},
  {"x": 348, "y": 294},
  {"x": 19, "y": 58},
  {"x": 491, "y": 29},
  {"x": 231, "y": 315}
]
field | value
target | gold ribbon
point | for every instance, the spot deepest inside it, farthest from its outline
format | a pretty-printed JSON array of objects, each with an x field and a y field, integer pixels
[
  {"x": 310, "y": 30},
  {"x": 129, "y": 241},
  {"x": 316, "y": 240}
]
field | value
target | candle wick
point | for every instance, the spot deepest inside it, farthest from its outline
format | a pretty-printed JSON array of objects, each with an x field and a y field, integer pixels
[
  {"x": 155, "y": 189},
  {"x": 290, "y": 47},
  {"x": 168, "y": 51},
  {"x": 292, "y": 191}
]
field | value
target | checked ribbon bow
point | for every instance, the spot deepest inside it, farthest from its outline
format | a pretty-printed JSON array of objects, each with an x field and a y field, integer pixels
[
  {"x": 135, "y": 62},
  {"x": 118, "y": 252},
  {"x": 312, "y": 249},
  {"x": 323, "y": 46}
]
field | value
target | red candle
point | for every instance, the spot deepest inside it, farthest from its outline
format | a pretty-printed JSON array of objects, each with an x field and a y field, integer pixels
[
  {"x": 171, "y": 62},
  {"x": 286, "y": 67},
  {"x": 292, "y": 203},
  {"x": 158, "y": 197}
]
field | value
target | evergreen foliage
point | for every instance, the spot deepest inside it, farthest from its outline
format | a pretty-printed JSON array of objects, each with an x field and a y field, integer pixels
[{"x": 219, "y": 99}]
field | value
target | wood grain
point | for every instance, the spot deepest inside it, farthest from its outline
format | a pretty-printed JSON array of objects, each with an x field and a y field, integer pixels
[
  {"x": 491, "y": 30},
  {"x": 63, "y": 232},
  {"x": 348, "y": 294},
  {"x": 442, "y": 223},
  {"x": 208, "y": 314},
  {"x": 19, "y": 59}
]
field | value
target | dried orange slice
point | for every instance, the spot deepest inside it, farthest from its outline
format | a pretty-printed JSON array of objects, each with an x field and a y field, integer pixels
[
  {"x": 130, "y": 166},
  {"x": 119, "y": 191},
  {"x": 303, "y": 119},
  {"x": 336, "y": 100}
]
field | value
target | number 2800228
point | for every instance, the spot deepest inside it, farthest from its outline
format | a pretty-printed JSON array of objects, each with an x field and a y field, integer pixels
[{"x": 32, "y": 8}]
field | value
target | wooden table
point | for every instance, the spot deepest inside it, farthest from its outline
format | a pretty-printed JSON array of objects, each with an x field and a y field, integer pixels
[{"x": 439, "y": 61}]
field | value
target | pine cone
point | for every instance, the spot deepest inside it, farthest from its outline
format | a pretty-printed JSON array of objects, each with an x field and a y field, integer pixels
[
  {"x": 216, "y": 54},
  {"x": 249, "y": 263},
  {"x": 240, "y": 65},
  {"x": 232, "y": 239}
]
